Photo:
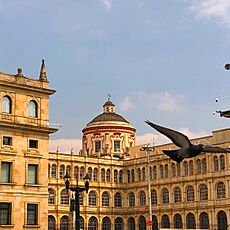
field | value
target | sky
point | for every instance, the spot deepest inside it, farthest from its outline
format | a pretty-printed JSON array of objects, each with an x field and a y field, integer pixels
[{"x": 161, "y": 60}]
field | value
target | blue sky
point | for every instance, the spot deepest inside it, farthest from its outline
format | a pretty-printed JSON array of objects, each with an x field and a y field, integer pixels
[{"x": 160, "y": 60}]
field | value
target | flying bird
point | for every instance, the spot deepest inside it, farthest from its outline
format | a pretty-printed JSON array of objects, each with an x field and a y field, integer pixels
[{"x": 187, "y": 149}]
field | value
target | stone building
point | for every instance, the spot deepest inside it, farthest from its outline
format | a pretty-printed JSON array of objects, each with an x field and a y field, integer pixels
[{"x": 126, "y": 187}]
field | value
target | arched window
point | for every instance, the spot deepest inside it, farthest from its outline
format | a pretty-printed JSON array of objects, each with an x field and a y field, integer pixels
[
  {"x": 75, "y": 171},
  {"x": 161, "y": 171},
  {"x": 118, "y": 200},
  {"x": 165, "y": 196},
  {"x": 190, "y": 194},
  {"x": 128, "y": 176},
  {"x": 153, "y": 196},
  {"x": 131, "y": 199},
  {"x": 139, "y": 174},
  {"x": 142, "y": 198},
  {"x": 204, "y": 165},
  {"x": 102, "y": 175},
  {"x": 51, "y": 199},
  {"x": 119, "y": 224},
  {"x": 115, "y": 176},
  {"x": 166, "y": 171},
  {"x": 143, "y": 174},
  {"x": 165, "y": 221},
  {"x": 222, "y": 220},
  {"x": 154, "y": 172},
  {"x": 54, "y": 171},
  {"x": 92, "y": 198},
  {"x": 155, "y": 223},
  {"x": 190, "y": 221},
  {"x": 6, "y": 105},
  {"x": 106, "y": 223},
  {"x": 142, "y": 223},
  {"x": 220, "y": 190},
  {"x": 82, "y": 173},
  {"x": 64, "y": 224},
  {"x": 178, "y": 169},
  {"x": 51, "y": 223},
  {"x": 120, "y": 176},
  {"x": 95, "y": 174},
  {"x": 222, "y": 162},
  {"x": 203, "y": 192},
  {"x": 93, "y": 223},
  {"x": 105, "y": 199},
  {"x": 204, "y": 221},
  {"x": 33, "y": 109},
  {"x": 81, "y": 222},
  {"x": 215, "y": 164},
  {"x": 177, "y": 195},
  {"x": 198, "y": 166},
  {"x": 90, "y": 173},
  {"x": 48, "y": 170},
  {"x": 177, "y": 220},
  {"x": 185, "y": 168},
  {"x": 68, "y": 170},
  {"x": 133, "y": 175},
  {"x": 64, "y": 197},
  {"x": 151, "y": 173},
  {"x": 62, "y": 171},
  {"x": 108, "y": 176},
  {"x": 173, "y": 170},
  {"x": 190, "y": 167},
  {"x": 131, "y": 223}
]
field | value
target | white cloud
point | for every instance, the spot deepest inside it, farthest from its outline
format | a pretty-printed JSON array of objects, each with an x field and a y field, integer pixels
[
  {"x": 65, "y": 145},
  {"x": 217, "y": 9},
  {"x": 126, "y": 105},
  {"x": 162, "y": 101},
  {"x": 107, "y": 3}
]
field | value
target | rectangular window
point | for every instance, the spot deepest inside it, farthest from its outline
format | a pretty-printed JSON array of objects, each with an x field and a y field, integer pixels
[
  {"x": 6, "y": 172},
  {"x": 97, "y": 146},
  {"x": 5, "y": 213},
  {"x": 117, "y": 147},
  {"x": 33, "y": 144},
  {"x": 32, "y": 214},
  {"x": 32, "y": 174},
  {"x": 7, "y": 140}
]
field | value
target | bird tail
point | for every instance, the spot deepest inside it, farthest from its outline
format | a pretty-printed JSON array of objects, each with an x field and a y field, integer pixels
[{"x": 173, "y": 154}]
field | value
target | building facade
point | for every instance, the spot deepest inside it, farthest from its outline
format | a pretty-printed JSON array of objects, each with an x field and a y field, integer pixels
[{"x": 128, "y": 187}]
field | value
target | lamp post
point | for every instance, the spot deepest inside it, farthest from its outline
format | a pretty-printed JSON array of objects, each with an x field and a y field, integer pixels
[
  {"x": 77, "y": 191},
  {"x": 148, "y": 149}
]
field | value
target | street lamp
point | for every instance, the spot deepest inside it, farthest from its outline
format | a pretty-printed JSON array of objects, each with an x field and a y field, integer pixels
[{"x": 77, "y": 191}]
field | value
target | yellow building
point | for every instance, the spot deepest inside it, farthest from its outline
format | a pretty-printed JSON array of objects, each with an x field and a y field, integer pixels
[
  {"x": 24, "y": 137},
  {"x": 127, "y": 187}
]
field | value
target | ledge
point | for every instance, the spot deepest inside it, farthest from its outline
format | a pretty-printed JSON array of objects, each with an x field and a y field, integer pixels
[
  {"x": 4, "y": 226},
  {"x": 33, "y": 185},
  {"x": 31, "y": 226},
  {"x": 7, "y": 184}
]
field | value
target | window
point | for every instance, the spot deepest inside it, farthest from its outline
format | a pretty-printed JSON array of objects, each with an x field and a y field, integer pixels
[
  {"x": 105, "y": 199},
  {"x": 191, "y": 167},
  {"x": 120, "y": 176},
  {"x": 132, "y": 176},
  {"x": 80, "y": 199},
  {"x": 222, "y": 162},
  {"x": 190, "y": 193},
  {"x": 150, "y": 173},
  {"x": 7, "y": 140},
  {"x": 97, "y": 146},
  {"x": 62, "y": 171},
  {"x": 51, "y": 199},
  {"x": 118, "y": 200},
  {"x": 33, "y": 144},
  {"x": 6, "y": 172},
  {"x": 106, "y": 223},
  {"x": 198, "y": 166},
  {"x": 33, "y": 109},
  {"x": 64, "y": 197},
  {"x": 82, "y": 173},
  {"x": 165, "y": 221},
  {"x": 90, "y": 172},
  {"x": 64, "y": 224},
  {"x": 161, "y": 171},
  {"x": 215, "y": 163},
  {"x": 142, "y": 223},
  {"x": 177, "y": 195},
  {"x": 32, "y": 174},
  {"x": 75, "y": 172},
  {"x": 155, "y": 172},
  {"x": 128, "y": 176},
  {"x": 53, "y": 171},
  {"x": 131, "y": 199},
  {"x": 153, "y": 196},
  {"x": 32, "y": 214},
  {"x": 92, "y": 198},
  {"x": 178, "y": 169},
  {"x": 204, "y": 221},
  {"x": 165, "y": 196},
  {"x": 143, "y": 174},
  {"x": 142, "y": 198},
  {"x": 190, "y": 221},
  {"x": 117, "y": 147},
  {"x": 177, "y": 219},
  {"x": 139, "y": 174},
  {"x": 6, "y": 105},
  {"x": 95, "y": 173},
  {"x": 220, "y": 193},
  {"x": 102, "y": 175},
  {"x": 93, "y": 223},
  {"x": 131, "y": 223},
  {"x": 108, "y": 175},
  {"x": 115, "y": 176},
  {"x": 203, "y": 192},
  {"x": 166, "y": 171},
  {"x": 119, "y": 224},
  {"x": 51, "y": 223},
  {"x": 204, "y": 165},
  {"x": 5, "y": 213},
  {"x": 68, "y": 170},
  {"x": 173, "y": 170},
  {"x": 185, "y": 168}
]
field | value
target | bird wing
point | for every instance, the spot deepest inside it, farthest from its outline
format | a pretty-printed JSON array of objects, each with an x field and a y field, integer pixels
[
  {"x": 177, "y": 138},
  {"x": 214, "y": 149}
]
